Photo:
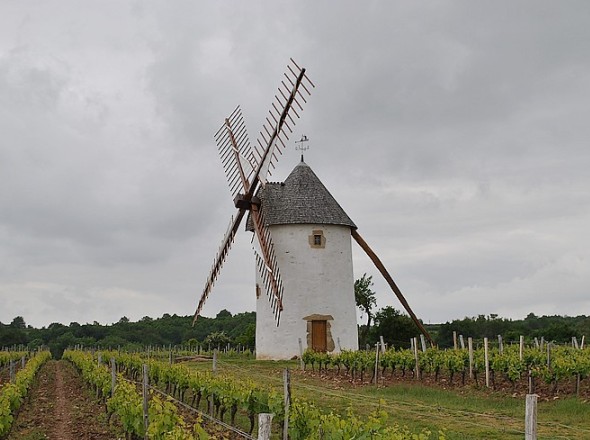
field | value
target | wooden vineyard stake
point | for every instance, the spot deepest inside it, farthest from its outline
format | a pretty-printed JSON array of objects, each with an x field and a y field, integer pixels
[
  {"x": 415, "y": 343},
  {"x": 376, "y": 364},
  {"x": 530, "y": 418},
  {"x": 301, "y": 363},
  {"x": 113, "y": 376},
  {"x": 454, "y": 339},
  {"x": 12, "y": 374},
  {"x": 383, "y": 344},
  {"x": 462, "y": 342},
  {"x": 575, "y": 342},
  {"x": 582, "y": 342},
  {"x": 470, "y": 345},
  {"x": 145, "y": 395},
  {"x": 521, "y": 349},
  {"x": 423, "y": 342},
  {"x": 500, "y": 345},
  {"x": 99, "y": 362},
  {"x": 287, "y": 402},
  {"x": 536, "y": 340},
  {"x": 264, "y": 426},
  {"x": 487, "y": 361}
]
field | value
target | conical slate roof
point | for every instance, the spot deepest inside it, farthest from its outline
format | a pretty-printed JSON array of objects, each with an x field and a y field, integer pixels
[{"x": 301, "y": 199}]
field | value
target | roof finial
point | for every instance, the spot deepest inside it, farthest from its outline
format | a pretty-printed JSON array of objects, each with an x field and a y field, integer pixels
[{"x": 302, "y": 147}]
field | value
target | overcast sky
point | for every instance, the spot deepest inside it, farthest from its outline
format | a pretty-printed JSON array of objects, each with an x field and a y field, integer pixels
[{"x": 454, "y": 134}]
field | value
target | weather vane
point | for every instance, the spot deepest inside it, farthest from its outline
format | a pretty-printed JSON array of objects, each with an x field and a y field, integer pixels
[{"x": 302, "y": 146}]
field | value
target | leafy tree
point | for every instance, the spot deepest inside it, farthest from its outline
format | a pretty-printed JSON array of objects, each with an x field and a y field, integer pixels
[
  {"x": 18, "y": 322},
  {"x": 223, "y": 314},
  {"x": 395, "y": 327},
  {"x": 365, "y": 300},
  {"x": 192, "y": 342},
  {"x": 217, "y": 340},
  {"x": 58, "y": 345},
  {"x": 248, "y": 337},
  {"x": 12, "y": 336}
]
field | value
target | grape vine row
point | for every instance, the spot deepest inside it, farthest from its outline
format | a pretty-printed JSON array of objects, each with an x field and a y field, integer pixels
[
  {"x": 558, "y": 364},
  {"x": 229, "y": 394},
  {"x": 13, "y": 394},
  {"x": 165, "y": 422}
]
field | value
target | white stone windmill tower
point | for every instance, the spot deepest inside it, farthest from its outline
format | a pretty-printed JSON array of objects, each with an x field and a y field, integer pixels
[
  {"x": 311, "y": 236},
  {"x": 301, "y": 237}
]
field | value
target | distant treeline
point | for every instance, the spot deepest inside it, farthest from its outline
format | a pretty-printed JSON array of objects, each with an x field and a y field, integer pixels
[
  {"x": 240, "y": 329},
  {"x": 559, "y": 329},
  {"x": 397, "y": 329}
]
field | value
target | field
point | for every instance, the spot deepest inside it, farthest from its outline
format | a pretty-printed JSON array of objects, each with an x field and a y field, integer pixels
[
  {"x": 69, "y": 398},
  {"x": 468, "y": 412}
]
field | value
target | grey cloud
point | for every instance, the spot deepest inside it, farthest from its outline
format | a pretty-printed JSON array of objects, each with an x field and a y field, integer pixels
[{"x": 453, "y": 133}]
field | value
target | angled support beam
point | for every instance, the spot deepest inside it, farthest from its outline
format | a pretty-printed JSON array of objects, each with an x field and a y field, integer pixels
[{"x": 363, "y": 244}]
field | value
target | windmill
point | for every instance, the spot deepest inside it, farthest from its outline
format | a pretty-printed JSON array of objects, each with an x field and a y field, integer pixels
[{"x": 246, "y": 170}]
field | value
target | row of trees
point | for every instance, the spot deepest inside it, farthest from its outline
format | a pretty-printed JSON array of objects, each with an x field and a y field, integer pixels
[
  {"x": 397, "y": 328},
  {"x": 167, "y": 330},
  {"x": 559, "y": 329}
]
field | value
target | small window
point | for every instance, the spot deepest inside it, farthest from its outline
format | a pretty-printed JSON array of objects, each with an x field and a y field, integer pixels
[{"x": 317, "y": 239}]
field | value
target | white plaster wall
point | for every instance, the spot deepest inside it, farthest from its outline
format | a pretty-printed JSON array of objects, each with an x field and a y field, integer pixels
[{"x": 316, "y": 281}]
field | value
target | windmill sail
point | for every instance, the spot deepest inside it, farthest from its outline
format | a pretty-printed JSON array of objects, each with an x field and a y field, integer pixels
[
  {"x": 226, "y": 243},
  {"x": 266, "y": 262},
  {"x": 245, "y": 167},
  {"x": 235, "y": 152},
  {"x": 273, "y": 135}
]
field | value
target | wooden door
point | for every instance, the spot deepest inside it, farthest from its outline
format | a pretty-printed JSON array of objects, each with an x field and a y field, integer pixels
[{"x": 319, "y": 341}]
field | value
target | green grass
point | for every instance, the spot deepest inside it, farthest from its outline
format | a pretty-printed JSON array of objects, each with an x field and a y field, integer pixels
[{"x": 464, "y": 413}]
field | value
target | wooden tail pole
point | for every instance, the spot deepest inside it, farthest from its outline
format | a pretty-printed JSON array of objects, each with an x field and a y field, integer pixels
[{"x": 363, "y": 244}]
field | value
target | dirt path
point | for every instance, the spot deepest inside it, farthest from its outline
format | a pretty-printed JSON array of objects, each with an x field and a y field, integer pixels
[
  {"x": 63, "y": 416},
  {"x": 60, "y": 407}
]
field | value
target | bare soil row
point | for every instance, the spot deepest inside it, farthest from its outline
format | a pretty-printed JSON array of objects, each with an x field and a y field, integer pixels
[{"x": 60, "y": 407}]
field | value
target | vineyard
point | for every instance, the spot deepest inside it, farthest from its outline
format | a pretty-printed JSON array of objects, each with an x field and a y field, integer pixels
[
  {"x": 389, "y": 394},
  {"x": 550, "y": 371},
  {"x": 237, "y": 401}
]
